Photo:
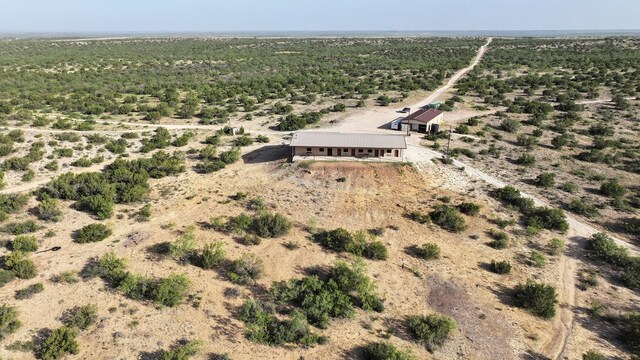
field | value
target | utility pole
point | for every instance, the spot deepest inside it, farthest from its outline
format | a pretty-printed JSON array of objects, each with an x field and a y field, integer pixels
[{"x": 449, "y": 142}]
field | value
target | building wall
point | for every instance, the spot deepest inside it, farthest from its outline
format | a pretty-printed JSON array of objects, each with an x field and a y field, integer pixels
[
  {"x": 437, "y": 120},
  {"x": 348, "y": 152}
]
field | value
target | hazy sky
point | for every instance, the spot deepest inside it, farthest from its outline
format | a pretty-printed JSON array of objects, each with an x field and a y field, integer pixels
[{"x": 314, "y": 15}]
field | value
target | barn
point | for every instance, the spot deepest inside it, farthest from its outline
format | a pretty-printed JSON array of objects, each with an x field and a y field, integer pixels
[{"x": 423, "y": 121}]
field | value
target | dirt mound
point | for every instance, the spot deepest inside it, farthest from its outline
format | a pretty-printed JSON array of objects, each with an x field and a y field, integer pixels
[{"x": 485, "y": 331}]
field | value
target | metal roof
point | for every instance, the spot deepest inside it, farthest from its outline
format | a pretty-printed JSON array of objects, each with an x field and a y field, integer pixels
[
  {"x": 347, "y": 140},
  {"x": 423, "y": 116}
]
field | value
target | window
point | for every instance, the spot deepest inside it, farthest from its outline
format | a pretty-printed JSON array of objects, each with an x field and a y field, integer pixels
[
  {"x": 321, "y": 149},
  {"x": 309, "y": 149},
  {"x": 360, "y": 150},
  {"x": 388, "y": 151},
  {"x": 369, "y": 150},
  {"x": 345, "y": 150}
]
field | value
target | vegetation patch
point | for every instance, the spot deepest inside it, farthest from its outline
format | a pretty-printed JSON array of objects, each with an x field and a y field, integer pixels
[
  {"x": 359, "y": 243},
  {"x": 164, "y": 291}
]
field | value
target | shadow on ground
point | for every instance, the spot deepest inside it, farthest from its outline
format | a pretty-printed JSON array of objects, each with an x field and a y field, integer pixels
[{"x": 267, "y": 153}]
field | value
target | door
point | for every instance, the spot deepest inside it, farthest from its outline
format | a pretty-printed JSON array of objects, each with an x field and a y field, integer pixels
[
  {"x": 376, "y": 152},
  {"x": 330, "y": 151},
  {"x": 353, "y": 152}
]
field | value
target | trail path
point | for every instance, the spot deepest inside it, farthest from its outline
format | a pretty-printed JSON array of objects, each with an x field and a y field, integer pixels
[{"x": 555, "y": 345}]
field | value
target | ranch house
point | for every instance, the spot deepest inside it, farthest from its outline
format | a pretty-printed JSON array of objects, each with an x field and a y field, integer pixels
[{"x": 333, "y": 145}]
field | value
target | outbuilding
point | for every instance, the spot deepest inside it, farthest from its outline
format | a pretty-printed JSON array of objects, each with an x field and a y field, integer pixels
[
  {"x": 316, "y": 144},
  {"x": 423, "y": 121}
]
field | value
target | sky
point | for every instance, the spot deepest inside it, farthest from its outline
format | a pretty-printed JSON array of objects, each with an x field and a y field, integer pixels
[{"x": 128, "y": 16}]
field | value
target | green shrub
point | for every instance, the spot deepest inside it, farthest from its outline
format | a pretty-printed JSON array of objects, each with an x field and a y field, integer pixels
[
  {"x": 92, "y": 233},
  {"x": 569, "y": 187},
  {"x": 385, "y": 351},
  {"x": 345, "y": 287},
  {"x": 49, "y": 210},
  {"x": 29, "y": 291},
  {"x": 81, "y": 317},
  {"x": 230, "y": 156},
  {"x": 428, "y": 251},
  {"x": 240, "y": 223},
  {"x": 246, "y": 269},
  {"x": 546, "y": 180},
  {"x": 182, "y": 351},
  {"x": 469, "y": 208},
  {"x": 510, "y": 125},
  {"x": 265, "y": 328},
  {"x": 547, "y": 218},
  {"x": 500, "y": 239},
  {"x": 632, "y": 226},
  {"x": 593, "y": 355},
  {"x": 65, "y": 277},
  {"x": 183, "y": 249},
  {"x": 537, "y": 259},
  {"x": 22, "y": 267},
  {"x": 431, "y": 330},
  {"x": 9, "y": 322},
  {"x": 271, "y": 225},
  {"x": 250, "y": 239},
  {"x": 144, "y": 214},
  {"x": 526, "y": 160},
  {"x": 82, "y": 162},
  {"x": 6, "y": 276},
  {"x": 419, "y": 217},
  {"x": 170, "y": 291},
  {"x": 500, "y": 267},
  {"x": 375, "y": 250},
  {"x": 207, "y": 167},
  {"x": 61, "y": 340},
  {"x": 448, "y": 218},
  {"x": 537, "y": 298},
  {"x": 630, "y": 333},
  {"x": 359, "y": 243},
  {"x": 212, "y": 255},
  {"x": 612, "y": 189},
  {"x": 581, "y": 207},
  {"x": 24, "y": 243},
  {"x": 602, "y": 247},
  {"x": 244, "y": 140},
  {"x": 23, "y": 227},
  {"x": 555, "y": 246}
]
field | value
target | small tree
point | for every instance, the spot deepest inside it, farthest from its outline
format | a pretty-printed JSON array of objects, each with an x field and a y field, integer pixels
[
  {"x": 24, "y": 243},
  {"x": 428, "y": 251},
  {"x": 246, "y": 269},
  {"x": 9, "y": 322},
  {"x": 61, "y": 340},
  {"x": 48, "y": 210},
  {"x": 539, "y": 299},
  {"x": 546, "y": 180},
  {"x": 212, "y": 255},
  {"x": 431, "y": 330},
  {"x": 385, "y": 351},
  {"x": 448, "y": 218},
  {"x": 271, "y": 225},
  {"x": 612, "y": 189},
  {"x": 92, "y": 233},
  {"x": 82, "y": 317},
  {"x": 500, "y": 267}
]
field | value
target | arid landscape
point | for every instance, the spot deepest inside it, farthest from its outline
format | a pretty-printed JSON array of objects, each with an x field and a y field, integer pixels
[{"x": 150, "y": 211}]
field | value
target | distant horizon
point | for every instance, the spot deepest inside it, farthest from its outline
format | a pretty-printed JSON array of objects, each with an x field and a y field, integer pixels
[
  {"x": 280, "y": 16},
  {"x": 302, "y": 33}
]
